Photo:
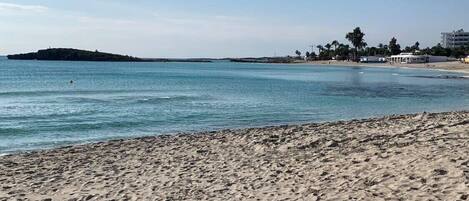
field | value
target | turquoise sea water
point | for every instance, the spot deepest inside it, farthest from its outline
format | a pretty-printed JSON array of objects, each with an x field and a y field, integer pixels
[{"x": 39, "y": 108}]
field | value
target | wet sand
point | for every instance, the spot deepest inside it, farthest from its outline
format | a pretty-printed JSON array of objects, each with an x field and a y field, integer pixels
[{"x": 409, "y": 157}]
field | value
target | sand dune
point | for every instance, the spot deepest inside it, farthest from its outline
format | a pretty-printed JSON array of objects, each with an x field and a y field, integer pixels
[{"x": 410, "y": 157}]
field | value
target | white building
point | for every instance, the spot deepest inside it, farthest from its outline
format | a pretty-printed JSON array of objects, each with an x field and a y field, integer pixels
[
  {"x": 372, "y": 59},
  {"x": 409, "y": 58},
  {"x": 455, "y": 39}
]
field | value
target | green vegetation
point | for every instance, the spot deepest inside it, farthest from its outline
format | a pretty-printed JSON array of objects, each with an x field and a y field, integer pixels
[
  {"x": 68, "y": 54},
  {"x": 441, "y": 51},
  {"x": 339, "y": 51},
  {"x": 357, "y": 39},
  {"x": 394, "y": 47},
  {"x": 298, "y": 53}
]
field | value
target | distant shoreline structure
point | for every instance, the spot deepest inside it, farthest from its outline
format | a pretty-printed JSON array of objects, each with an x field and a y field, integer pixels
[
  {"x": 70, "y": 54},
  {"x": 283, "y": 60}
]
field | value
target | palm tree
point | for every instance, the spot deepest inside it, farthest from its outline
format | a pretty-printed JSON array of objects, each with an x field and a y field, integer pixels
[
  {"x": 321, "y": 48},
  {"x": 357, "y": 39},
  {"x": 416, "y": 46},
  {"x": 297, "y": 52},
  {"x": 328, "y": 53},
  {"x": 342, "y": 52},
  {"x": 394, "y": 48},
  {"x": 335, "y": 43},
  {"x": 328, "y": 47}
]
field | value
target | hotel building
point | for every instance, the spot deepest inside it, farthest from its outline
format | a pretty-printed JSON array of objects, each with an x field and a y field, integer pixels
[{"x": 455, "y": 39}]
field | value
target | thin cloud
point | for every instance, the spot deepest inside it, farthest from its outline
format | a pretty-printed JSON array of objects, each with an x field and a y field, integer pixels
[{"x": 10, "y": 7}]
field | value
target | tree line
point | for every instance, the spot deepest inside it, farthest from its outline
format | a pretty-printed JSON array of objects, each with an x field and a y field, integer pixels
[
  {"x": 340, "y": 51},
  {"x": 68, "y": 54}
]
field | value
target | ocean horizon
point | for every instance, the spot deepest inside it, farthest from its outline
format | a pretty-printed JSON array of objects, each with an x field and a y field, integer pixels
[{"x": 48, "y": 104}]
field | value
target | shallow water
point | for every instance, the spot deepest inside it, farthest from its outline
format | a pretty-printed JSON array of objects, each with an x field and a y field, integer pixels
[{"x": 39, "y": 108}]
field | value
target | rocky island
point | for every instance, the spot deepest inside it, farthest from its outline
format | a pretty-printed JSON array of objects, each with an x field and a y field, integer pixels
[{"x": 70, "y": 54}]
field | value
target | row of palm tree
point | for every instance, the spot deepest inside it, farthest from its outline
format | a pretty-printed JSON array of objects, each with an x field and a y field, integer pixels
[{"x": 339, "y": 51}]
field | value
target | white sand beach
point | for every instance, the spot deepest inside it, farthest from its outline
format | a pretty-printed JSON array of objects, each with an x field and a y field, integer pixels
[
  {"x": 452, "y": 66},
  {"x": 408, "y": 157}
]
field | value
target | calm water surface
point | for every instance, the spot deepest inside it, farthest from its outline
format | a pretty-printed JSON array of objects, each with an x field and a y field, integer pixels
[{"x": 39, "y": 108}]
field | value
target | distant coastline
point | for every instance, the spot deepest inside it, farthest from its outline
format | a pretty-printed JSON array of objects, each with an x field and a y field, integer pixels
[
  {"x": 450, "y": 66},
  {"x": 283, "y": 60},
  {"x": 70, "y": 54}
]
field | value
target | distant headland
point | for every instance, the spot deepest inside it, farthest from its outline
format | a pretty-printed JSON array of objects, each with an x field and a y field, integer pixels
[{"x": 70, "y": 54}]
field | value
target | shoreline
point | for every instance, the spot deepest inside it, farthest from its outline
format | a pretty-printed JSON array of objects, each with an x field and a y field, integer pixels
[
  {"x": 207, "y": 131},
  {"x": 454, "y": 66},
  {"x": 397, "y": 156}
]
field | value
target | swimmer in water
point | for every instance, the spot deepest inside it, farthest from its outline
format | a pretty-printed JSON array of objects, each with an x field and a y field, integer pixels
[{"x": 71, "y": 81}]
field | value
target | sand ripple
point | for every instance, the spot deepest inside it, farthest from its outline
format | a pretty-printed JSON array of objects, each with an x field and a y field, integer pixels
[{"x": 411, "y": 157}]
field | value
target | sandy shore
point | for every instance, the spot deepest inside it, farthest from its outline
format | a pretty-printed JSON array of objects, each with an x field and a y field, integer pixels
[
  {"x": 453, "y": 66},
  {"x": 410, "y": 157}
]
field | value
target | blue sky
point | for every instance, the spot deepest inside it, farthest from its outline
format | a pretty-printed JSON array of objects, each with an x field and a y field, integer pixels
[{"x": 220, "y": 28}]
